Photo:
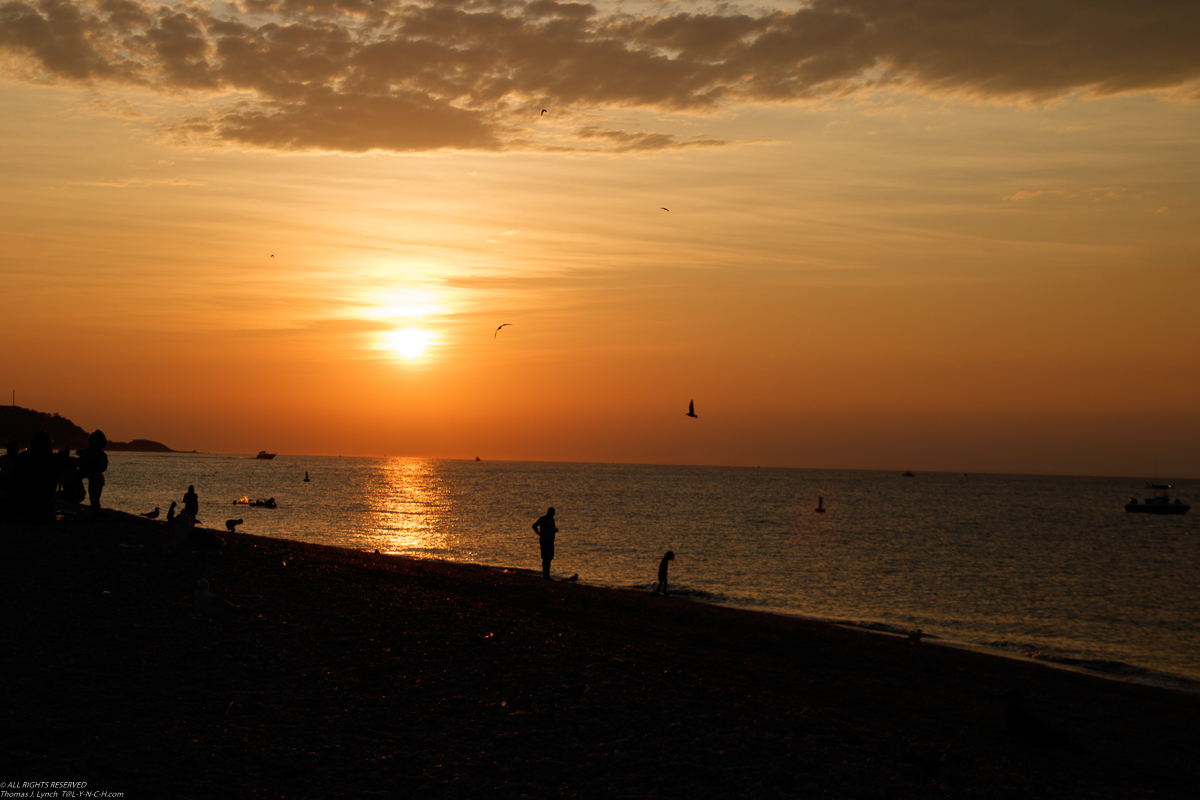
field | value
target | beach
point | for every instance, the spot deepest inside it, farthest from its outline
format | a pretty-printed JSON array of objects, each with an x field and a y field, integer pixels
[{"x": 364, "y": 675}]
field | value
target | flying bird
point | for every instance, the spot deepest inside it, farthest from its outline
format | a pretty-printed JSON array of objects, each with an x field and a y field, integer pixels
[
  {"x": 230, "y": 524},
  {"x": 272, "y": 255},
  {"x": 215, "y": 606},
  {"x": 543, "y": 112},
  {"x": 692, "y": 409},
  {"x": 151, "y": 514},
  {"x": 498, "y": 330},
  {"x": 664, "y": 208}
]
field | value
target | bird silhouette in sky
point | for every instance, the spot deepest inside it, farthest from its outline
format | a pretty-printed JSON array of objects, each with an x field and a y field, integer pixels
[
  {"x": 498, "y": 330},
  {"x": 272, "y": 255},
  {"x": 543, "y": 112},
  {"x": 692, "y": 409},
  {"x": 664, "y": 208}
]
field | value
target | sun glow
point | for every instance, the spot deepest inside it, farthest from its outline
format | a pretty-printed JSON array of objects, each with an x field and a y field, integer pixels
[{"x": 408, "y": 343}]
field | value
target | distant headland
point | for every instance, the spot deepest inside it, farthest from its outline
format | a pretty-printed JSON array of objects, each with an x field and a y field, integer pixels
[{"x": 19, "y": 424}]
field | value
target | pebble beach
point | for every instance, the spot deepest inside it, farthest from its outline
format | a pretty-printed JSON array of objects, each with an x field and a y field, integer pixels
[{"x": 352, "y": 674}]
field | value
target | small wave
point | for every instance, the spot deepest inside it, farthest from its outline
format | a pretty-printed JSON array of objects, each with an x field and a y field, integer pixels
[{"x": 878, "y": 626}]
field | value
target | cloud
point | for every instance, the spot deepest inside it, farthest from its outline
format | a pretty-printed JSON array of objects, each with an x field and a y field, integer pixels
[
  {"x": 357, "y": 75},
  {"x": 1021, "y": 196}
]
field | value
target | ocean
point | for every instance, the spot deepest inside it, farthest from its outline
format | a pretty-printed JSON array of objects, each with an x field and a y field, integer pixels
[{"x": 1045, "y": 567}]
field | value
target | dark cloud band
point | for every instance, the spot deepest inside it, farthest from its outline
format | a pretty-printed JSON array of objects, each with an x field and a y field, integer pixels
[{"x": 357, "y": 75}]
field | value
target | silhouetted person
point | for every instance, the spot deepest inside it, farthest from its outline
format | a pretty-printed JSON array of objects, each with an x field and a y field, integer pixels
[
  {"x": 545, "y": 529},
  {"x": 230, "y": 524},
  {"x": 171, "y": 513},
  {"x": 191, "y": 504},
  {"x": 8, "y": 472},
  {"x": 35, "y": 479},
  {"x": 668, "y": 557},
  {"x": 93, "y": 461},
  {"x": 70, "y": 477}
]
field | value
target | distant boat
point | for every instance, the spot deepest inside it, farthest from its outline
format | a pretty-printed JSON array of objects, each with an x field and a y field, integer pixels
[
  {"x": 909, "y": 475},
  {"x": 1159, "y": 504},
  {"x": 263, "y": 454}
]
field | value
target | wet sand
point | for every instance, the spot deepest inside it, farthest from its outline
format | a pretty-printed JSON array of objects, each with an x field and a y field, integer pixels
[{"x": 359, "y": 675}]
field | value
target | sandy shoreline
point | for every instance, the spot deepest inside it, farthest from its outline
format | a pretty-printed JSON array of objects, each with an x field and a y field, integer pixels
[{"x": 366, "y": 675}]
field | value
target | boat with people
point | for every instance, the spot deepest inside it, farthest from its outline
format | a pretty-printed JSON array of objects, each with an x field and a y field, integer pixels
[
  {"x": 260, "y": 503},
  {"x": 1159, "y": 504},
  {"x": 263, "y": 454}
]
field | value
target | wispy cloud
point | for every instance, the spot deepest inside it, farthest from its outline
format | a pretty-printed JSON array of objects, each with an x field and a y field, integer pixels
[
  {"x": 357, "y": 75},
  {"x": 1025, "y": 195}
]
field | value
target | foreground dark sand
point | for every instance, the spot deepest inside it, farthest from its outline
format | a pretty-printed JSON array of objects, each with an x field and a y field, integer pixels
[{"x": 366, "y": 675}]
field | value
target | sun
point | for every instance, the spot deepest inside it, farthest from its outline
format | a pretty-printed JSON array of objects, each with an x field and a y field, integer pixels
[{"x": 408, "y": 343}]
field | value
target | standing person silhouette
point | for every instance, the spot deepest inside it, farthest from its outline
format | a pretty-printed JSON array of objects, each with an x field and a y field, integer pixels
[
  {"x": 94, "y": 461},
  {"x": 191, "y": 504},
  {"x": 662, "y": 573},
  {"x": 545, "y": 529}
]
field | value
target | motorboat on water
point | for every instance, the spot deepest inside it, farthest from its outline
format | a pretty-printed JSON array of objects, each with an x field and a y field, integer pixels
[
  {"x": 1161, "y": 503},
  {"x": 263, "y": 454}
]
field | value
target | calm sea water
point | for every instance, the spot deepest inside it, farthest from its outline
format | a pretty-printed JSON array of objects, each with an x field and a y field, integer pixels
[{"x": 1050, "y": 567}]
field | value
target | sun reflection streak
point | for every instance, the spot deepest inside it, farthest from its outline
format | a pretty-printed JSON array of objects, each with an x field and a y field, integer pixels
[{"x": 410, "y": 505}]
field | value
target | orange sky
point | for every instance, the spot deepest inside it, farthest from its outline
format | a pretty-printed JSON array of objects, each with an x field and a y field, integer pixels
[{"x": 930, "y": 235}]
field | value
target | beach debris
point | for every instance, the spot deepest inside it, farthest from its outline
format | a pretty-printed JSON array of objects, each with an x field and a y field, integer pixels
[
  {"x": 151, "y": 514},
  {"x": 1031, "y": 730},
  {"x": 215, "y": 606},
  {"x": 230, "y": 524}
]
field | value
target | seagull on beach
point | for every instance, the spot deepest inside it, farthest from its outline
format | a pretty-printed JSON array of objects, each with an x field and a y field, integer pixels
[
  {"x": 498, "y": 330},
  {"x": 215, "y": 606},
  {"x": 692, "y": 409},
  {"x": 151, "y": 514},
  {"x": 230, "y": 524}
]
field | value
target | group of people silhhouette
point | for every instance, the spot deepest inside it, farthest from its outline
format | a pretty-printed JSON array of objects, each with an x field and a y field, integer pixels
[
  {"x": 36, "y": 483},
  {"x": 546, "y": 528}
]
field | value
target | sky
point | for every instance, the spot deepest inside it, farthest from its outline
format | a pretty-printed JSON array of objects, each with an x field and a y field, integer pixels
[{"x": 951, "y": 235}]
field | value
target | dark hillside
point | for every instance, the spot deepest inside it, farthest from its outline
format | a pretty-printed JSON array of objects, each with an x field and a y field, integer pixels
[{"x": 17, "y": 423}]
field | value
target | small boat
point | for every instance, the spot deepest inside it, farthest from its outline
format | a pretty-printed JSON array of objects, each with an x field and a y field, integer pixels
[
  {"x": 260, "y": 503},
  {"x": 909, "y": 475},
  {"x": 1159, "y": 504},
  {"x": 263, "y": 454}
]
